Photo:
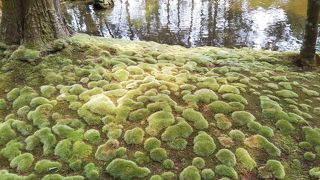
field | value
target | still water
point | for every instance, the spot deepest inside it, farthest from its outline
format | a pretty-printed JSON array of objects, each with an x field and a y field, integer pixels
[{"x": 263, "y": 24}]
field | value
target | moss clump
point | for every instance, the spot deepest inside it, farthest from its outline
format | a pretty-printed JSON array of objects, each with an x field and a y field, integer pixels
[
  {"x": 22, "y": 127},
  {"x": 237, "y": 135},
  {"x": 315, "y": 172},
  {"x": 41, "y": 100},
  {"x": 205, "y": 95},
  {"x": 312, "y": 135},
  {"x": 178, "y": 144},
  {"x": 168, "y": 175},
  {"x": 156, "y": 177},
  {"x": 190, "y": 172},
  {"x": 81, "y": 150},
  {"x": 116, "y": 169},
  {"x": 242, "y": 117},
  {"x": 266, "y": 131},
  {"x": 13, "y": 94},
  {"x": 287, "y": 94},
  {"x": 245, "y": 159},
  {"x": 226, "y": 157},
  {"x": 305, "y": 145},
  {"x": 110, "y": 150},
  {"x": 158, "y": 121},
  {"x": 113, "y": 130},
  {"x": 91, "y": 171},
  {"x": 309, "y": 156},
  {"x": 24, "y": 54},
  {"x": 92, "y": 136},
  {"x": 98, "y": 105},
  {"x": 275, "y": 168},
  {"x": 223, "y": 122},
  {"x": 261, "y": 142},
  {"x": 180, "y": 130},
  {"x": 168, "y": 164},
  {"x": 158, "y": 154},
  {"x": 25, "y": 96},
  {"x": 310, "y": 92},
  {"x": 59, "y": 177},
  {"x": 40, "y": 116},
  {"x": 23, "y": 111},
  {"x": 152, "y": 143},
  {"x": 47, "y": 138},
  {"x": 134, "y": 136},
  {"x": 196, "y": 117},
  {"x": 63, "y": 131},
  {"x": 4, "y": 174},
  {"x": 23, "y": 162},
  {"x": 285, "y": 126},
  {"x": 198, "y": 162},
  {"x": 6, "y": 132},
  {"x": 46, "y": 166},
  {"x": 228, "y": 89},
  {"x": 235, "y": 98},
  {"x": 220, "y": 107},
  {"x": 210, "y": 83},
  {"x": 76, "y": 165},
  {"x": 64, "y": 149},
  {"x": 203, "y": 144},
  {"x": 224, "y": 170},
  {"x": 12, "y": 149},
  {"x": 3, "y": 104},
  {"x": 316, "y": 111},
  {"x": 141, "y": 158},
  {"x": 207, "y": 174},
  {"x": 139, "y": 114},
  {"x": 121, "y": 75}
]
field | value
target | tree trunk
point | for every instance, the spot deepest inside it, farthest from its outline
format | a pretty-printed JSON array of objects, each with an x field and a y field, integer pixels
[
  {"x": 11, "y": 23},
  {"x": 32, "y": 22},
  {"x": 308, "y": 49}
]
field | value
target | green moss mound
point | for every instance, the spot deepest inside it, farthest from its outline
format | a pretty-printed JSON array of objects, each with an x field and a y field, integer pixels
[{"x": 117, "y": 166}]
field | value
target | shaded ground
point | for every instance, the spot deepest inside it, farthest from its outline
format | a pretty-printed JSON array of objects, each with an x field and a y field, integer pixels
[{"x": 95, "y": 100}]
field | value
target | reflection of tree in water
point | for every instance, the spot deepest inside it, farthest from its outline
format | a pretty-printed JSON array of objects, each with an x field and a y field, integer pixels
[{"x": 230, "y": 23}]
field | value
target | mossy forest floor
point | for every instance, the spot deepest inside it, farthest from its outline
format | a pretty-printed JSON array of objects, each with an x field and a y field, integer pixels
[{"x": 96, "y": 108}]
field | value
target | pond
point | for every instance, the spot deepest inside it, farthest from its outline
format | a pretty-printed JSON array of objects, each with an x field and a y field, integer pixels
[{"x": 262, "y": 24}]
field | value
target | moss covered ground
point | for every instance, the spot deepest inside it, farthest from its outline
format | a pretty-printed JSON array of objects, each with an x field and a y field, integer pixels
[{"x": 96, "y": 108}]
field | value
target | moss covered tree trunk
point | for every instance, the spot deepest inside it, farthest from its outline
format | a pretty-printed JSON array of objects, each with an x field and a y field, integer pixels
[
  {"x": 308, "y": 49},
  {"x": 32, "y": 22}
]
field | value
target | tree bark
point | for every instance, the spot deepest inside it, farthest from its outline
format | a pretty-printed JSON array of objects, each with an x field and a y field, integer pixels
[
  {"x": 11, "y": 23},
  {"x": 308, "y": 48},
  {"x": 32, "y": 22}
]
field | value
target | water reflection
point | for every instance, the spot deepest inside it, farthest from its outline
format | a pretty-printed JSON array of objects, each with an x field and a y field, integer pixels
[{"x": 267, "y": 24}]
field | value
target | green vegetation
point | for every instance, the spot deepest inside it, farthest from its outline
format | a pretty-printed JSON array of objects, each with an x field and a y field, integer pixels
[
  {"x": 159, "y": 121},
  {"x": 134, "y": 136},
  {"x": 207, "y": 174},
  {"x": 158, "y": 154},
  {"x": 203, "y": 144},
  {"x": 117, "y": 166},
  {"x": 190, "y": 172},
  {"x": 114, "y": 109},
  {"x": 245, "y": 159},
  {"x": 198, "y": 162},
  {"x": 152, "y": 143},
  {"x": 275, "y": 168},
  {"x": 226, "y": 157},
  {"x": 224, "y": 170},
  {"x": 197, "y": 118}
]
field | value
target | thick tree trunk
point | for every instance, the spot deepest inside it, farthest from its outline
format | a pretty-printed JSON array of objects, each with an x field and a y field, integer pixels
[
  {"x": 308, "y": 49},
  {"x": 32, "y": 22},
  {"x": 11, "y": 24}
]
